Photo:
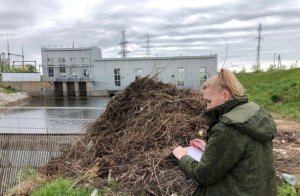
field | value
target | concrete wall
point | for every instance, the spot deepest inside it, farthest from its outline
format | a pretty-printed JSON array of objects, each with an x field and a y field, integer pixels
[
  {"x": 12, "y": 99},
  {"x": 32, "y": 88},
  {"x": 48, "y": 88},
  {"x": 100, "y": 93},
  {"x": 13, "y": 76}
]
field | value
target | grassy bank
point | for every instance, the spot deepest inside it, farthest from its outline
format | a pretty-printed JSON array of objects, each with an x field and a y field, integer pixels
[
  {"x": 277, "y": 91},
  {"x": 8, "y": 90},
  {"x": 67, "y": 187}
]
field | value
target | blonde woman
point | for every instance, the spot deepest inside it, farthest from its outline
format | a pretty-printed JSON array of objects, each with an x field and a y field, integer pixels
[{"x": 238, "y": 158}]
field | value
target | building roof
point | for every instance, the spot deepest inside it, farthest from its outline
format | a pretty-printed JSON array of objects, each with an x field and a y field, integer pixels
[
  {"x": 61, "y": 48},
  {"x": 157, "y": 58}
]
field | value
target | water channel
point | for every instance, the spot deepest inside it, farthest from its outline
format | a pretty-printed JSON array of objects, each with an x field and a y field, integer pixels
[{"x": 57, "y": 115}]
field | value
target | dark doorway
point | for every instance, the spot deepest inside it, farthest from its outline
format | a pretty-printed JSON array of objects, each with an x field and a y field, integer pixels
[
  {"x": 82, "y": 89},
  {"x": 71, "y": 89},
  {"x": 58, "y": 89}
]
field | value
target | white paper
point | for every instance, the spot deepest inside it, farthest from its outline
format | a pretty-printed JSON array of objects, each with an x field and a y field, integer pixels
[{"x": 194, "y": 152}]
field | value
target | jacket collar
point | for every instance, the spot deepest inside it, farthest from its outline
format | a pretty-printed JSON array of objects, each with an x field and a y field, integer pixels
[{"x": 213, "y": 114}]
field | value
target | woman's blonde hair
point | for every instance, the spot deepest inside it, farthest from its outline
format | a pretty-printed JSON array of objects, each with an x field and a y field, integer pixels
[{"x": 225, "y": 80}]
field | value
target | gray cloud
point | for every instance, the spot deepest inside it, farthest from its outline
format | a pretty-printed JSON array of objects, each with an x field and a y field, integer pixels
[
  {"x": 18, "y": 14},
  {"x": 184, "y": 30}
]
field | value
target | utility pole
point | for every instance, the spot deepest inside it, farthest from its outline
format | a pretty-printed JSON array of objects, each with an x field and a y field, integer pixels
[
  {"x": 259, "y": 29},
  {"x": 22, "y": 55},
  {"x": 274, "y": 59},
  {"x": 148, "y": 46},
  {"x": 1, "y": 58},
  {"x": 123, "y": 45},
  {"x": 73, "y": 45},
  {"x": 8, "y": 53}
]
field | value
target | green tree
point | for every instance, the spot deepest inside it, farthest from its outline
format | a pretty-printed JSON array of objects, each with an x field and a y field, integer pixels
[
  {"x": 272, "y": 67},
  {"x": 22, "y": 69},
  {"x": 30, "y": 68},
  {"x": 243, "y": 69},
  {"x": 256, "y": 68}
]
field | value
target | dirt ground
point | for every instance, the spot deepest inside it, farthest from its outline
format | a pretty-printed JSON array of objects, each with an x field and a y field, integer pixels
[{"x": 287, "y": 146}]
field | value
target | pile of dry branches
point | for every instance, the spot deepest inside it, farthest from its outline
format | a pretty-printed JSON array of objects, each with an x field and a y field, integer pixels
[{"x": 132, "y": 141}]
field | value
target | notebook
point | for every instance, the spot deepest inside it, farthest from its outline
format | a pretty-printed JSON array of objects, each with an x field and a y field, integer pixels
[{"x": 194, "y": 152}]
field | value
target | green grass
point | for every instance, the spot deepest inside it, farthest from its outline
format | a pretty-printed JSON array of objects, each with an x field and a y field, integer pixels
[
  {"x": 61, "y": 187},
  {"x": 8, "y": 90},
  {"x": 285, "y": 189},
  {"x": 67, "y": 187},
  {"x": 27, "y": 173},
  {"x": 277, "y": 91}
]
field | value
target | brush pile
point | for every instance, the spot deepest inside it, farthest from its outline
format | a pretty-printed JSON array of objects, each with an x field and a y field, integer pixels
[{"x": 130, "y": 144}]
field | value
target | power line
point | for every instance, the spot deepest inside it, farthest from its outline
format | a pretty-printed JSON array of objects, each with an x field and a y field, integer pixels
[{"x": 226, "y": 52}]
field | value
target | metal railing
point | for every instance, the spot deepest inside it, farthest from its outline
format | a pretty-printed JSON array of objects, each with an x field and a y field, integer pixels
[
  {"x": 18, "y": 151},
  {"x": 67, "y": 46},
  {"x": 24, "y": 144}
]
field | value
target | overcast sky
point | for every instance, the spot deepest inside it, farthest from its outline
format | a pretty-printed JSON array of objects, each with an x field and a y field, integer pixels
[{"x": 175, "y": 27}]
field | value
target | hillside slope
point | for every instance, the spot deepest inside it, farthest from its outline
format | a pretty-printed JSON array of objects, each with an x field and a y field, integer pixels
[{"x": 277, "y": 91}]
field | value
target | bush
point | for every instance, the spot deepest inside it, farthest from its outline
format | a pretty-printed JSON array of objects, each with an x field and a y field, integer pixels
[
  {"x": 285, "y": 189},
  {"x": 8, "y": 89},
  {"x": 276, "y": 98},
  {"x": 256, "y": 68},
  {"x": 272, "y": 67}
]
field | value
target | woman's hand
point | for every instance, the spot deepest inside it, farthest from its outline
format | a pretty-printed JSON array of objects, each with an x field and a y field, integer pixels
[
  {"x": 200, "y": 144},
  {"x": 179, "y": 152}
]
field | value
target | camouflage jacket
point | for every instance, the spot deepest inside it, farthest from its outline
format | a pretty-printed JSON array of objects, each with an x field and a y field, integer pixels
[{"x": 238, "y": 159}]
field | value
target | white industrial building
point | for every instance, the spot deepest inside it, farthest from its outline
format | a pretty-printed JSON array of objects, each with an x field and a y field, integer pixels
[
  {"x": 182, "y": 71},
  {"x": 82, "y": 71}
]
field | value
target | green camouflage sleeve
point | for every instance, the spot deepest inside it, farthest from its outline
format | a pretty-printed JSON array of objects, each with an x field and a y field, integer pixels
[{"x": 223, "y": 150}]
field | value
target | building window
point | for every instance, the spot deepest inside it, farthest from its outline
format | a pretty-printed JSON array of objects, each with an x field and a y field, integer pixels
[
  {"x": 180, "y": 79},
  {"x": 50, "y": 72},
  {"x": 117, "y": 74},
  {"x": 202, "y": 75},
  {"x": 73, "y": 60},
  {"x": 50, "y": 61},
  {"x": 85, "y": 60},
  {"x": 138, "y": 72},
  {"x": 86, "y": 72},
  {"x": 61, "y": 60},
  {"x": 74, "y": 72},
  {"x": 62, "y": 71}
]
